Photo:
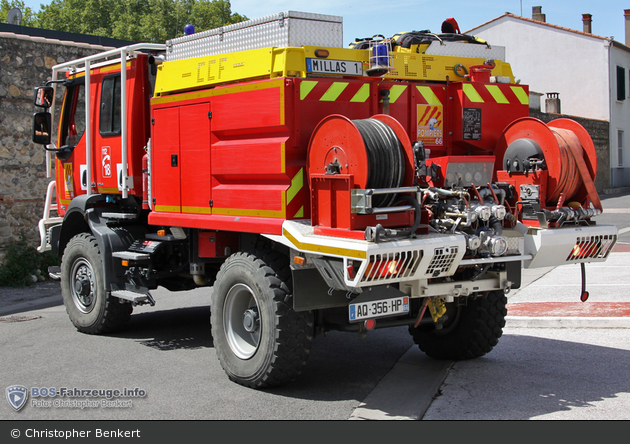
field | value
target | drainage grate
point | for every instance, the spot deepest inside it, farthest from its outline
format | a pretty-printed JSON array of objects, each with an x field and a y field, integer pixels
[{"x": 18, "y": 318}]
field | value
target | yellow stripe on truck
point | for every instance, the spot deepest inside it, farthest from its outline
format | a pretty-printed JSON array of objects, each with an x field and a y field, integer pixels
[
  {"x": 429, "y": 95},
  {"x": 306, "y": 87},
  {"x": 334, "y": 91},
  {"x": 520, "y": 93},
  {"x": 496, "y": 93},
  {"x": 395, "y": 92},
  {"x": 296, "y": 185},
  {"x": 313, "y": 248},
  {"x": 472, "y": 93},
  {"x": 362, "y": 95}
]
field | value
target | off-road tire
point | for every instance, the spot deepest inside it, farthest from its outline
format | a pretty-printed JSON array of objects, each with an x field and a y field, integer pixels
[
  {"x": 92, "y": 310},
  {"x": 471, "y": 331},
  {"x": 274, "y": 354}
]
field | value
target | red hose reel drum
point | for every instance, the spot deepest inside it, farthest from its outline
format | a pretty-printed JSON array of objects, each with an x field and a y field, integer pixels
[
  {"x": 569, "y": 154},
  {"x": 348, "y": 145}
]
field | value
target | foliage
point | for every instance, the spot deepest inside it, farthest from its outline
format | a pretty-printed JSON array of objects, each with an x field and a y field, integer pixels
[
  {"x": 28, "y": 16},
  {"x": 134, "y": 20},
  {"x": 21, "y": 262}
]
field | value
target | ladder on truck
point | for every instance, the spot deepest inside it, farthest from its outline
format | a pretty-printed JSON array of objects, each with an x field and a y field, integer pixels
[{"x": 85, "y": 65}]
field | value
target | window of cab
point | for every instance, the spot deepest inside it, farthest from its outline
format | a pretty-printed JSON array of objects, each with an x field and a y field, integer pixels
[
  {"x": 109, "y": 120},
  {"x": 73, "y": 113}
]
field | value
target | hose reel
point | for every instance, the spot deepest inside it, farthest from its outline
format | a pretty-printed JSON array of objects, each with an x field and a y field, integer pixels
[
  {"x": 562, "y": 147},
  {"x": 375, "y": 151}
]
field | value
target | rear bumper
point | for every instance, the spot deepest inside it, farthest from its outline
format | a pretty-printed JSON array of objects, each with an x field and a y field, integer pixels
[
  {"x": 424, "y": 258},
  {"x": 559, "y": 246}
]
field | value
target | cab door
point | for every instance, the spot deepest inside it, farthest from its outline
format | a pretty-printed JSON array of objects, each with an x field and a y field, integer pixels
[{"x": 107, "y": 147}]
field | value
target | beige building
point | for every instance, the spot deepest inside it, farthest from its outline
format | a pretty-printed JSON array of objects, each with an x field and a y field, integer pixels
[{"x": 589, "y": 73}]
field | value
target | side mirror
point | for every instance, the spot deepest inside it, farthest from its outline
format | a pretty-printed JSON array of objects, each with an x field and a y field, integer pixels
[
  {"x": 44, "y": 96},
  {"x": 41, "y": 128}
]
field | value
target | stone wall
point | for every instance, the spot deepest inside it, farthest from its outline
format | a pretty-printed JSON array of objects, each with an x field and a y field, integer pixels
[
  {"x": 25, "y": 62},
  {"x": 599, "y": 132}
]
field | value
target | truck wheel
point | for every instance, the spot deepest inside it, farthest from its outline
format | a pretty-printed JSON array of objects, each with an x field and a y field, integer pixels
[
  {"x": 470, "y": 331},
  {"x": 88, "y": 305},
  {"x": 258, "y": 337}
]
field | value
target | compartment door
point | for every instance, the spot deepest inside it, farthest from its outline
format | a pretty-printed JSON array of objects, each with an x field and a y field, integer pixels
[
  {"x": 194, "y": 137},
  {"x": 165, "y": 162}
]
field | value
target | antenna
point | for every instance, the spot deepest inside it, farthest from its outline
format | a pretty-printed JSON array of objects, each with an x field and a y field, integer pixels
[{"x": 14, "y": 17}]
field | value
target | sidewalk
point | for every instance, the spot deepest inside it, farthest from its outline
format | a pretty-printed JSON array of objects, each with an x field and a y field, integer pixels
[
  {"x": 550, "y": 297},
  {"x": 39, "y": 295}
]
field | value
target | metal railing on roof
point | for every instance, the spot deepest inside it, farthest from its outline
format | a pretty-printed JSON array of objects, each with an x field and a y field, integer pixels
[{"x": 85, "y": 64}]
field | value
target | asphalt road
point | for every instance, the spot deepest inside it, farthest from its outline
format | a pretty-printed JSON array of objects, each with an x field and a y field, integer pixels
[
  {"x": 534, "y": 373},
  {"x": 167, "y": 352}
]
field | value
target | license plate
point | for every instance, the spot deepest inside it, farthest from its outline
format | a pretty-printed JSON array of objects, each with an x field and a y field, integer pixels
[
  {"x": 325, "y": 66},
  {"x": 378, "y": 309}
]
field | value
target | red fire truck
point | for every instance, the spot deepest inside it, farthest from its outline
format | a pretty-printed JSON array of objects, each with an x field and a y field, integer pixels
[{"x": 312, "y": 186}]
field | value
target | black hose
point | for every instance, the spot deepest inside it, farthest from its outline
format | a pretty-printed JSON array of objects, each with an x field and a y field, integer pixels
[
  {"x": 495, "y": 224},
  {"x": 416, "y": 223},
  {"x": 386, "y": 166}
]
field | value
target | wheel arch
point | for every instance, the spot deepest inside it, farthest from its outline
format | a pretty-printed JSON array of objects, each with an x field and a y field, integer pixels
[
  {"x": 82, "y": 216},
  {"x": 75, "y": 220}
]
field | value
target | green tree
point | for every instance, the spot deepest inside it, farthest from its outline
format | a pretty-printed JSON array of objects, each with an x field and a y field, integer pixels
[
  {"x": 161, "y": 24},
  {"x": 210, "y": 15},
  {"x": 80, "y": 16},
  {"x": 135, "y": 20},
  {"x": 129, "y": 23},
  {"x": 28, "y": 16}
]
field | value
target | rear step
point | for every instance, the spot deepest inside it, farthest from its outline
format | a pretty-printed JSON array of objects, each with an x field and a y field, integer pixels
[
  {"x": 55, "y": 273},
  {"x": 131, "y": 255},
  {"x": 134, "y": 296},
  {"x": 127, "y": 216}
]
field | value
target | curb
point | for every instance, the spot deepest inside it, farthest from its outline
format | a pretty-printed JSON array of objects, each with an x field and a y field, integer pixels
[
  {"x": 566, "y": 322},
  {"x": 406, "y": 391},
  {"x": 615, "y": 191},
  {"x": 36, "y": 304}
]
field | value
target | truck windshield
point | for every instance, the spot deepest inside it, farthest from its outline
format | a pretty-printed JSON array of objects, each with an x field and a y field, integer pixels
[{"x": 73, "y": 117}]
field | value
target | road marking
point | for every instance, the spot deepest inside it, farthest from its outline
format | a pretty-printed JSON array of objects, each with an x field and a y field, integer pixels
[{"x": 569, "y": 309}]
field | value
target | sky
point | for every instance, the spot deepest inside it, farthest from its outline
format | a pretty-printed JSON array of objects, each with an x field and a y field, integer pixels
[{"x": 370, "y": 17}]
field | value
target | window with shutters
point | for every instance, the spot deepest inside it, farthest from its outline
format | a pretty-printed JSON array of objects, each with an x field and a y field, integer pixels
[{"x": 621, "y": 83}]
